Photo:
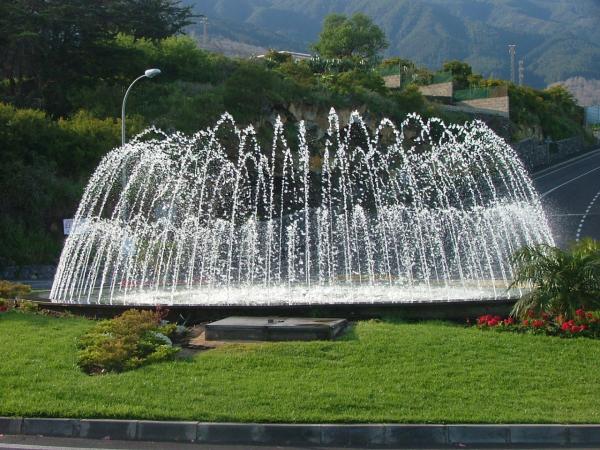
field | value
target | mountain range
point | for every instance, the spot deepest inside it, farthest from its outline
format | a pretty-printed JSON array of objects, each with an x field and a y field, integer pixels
[{"x": 557, "y": 39}]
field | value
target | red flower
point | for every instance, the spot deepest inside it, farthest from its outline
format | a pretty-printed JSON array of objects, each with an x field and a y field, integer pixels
[
  {"x": 577, "y": 329},
  {"x": 538, "y": 323},
  {"x": 509, "y": 321},
  {"x": 580, "y": 312},
  {"x": 3, "y": 308},
  {"x": 493, "y": 322},
  {"x": 482, "y": 320},
  {"x": 526, "y": 322},
  {"x": 530, "y": 313}
]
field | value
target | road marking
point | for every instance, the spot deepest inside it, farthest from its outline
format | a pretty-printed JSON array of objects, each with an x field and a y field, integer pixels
[
  {"x": 587, "y": 213},
  {"x": 565, "y": 215},
  {"x": 50, "y": 447},
  {"x": 563, "y": 165},
  {"x": 568, "y": 181}
]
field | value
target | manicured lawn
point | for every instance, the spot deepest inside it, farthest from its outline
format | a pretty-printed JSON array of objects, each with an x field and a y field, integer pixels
[{"x": 380, "y": 372}]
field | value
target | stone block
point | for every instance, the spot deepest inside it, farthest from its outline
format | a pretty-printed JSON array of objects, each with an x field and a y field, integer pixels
[
  {"x": 335, "y": 435},
  {"x": 584, "y": 435},
  {"x": 10, "y": 425},
  {"x": 478, "y": 434},
  {"x": 367, "y": 435},
  {"x": 108, "y": 429},
  {"x": 229, "y": 433},
  {"x": 416, "y": 435},
  {"x": 538, "y": 434},
  {"x": 276, "y": 434},
  {"x": 166, "y": 431},
  {"x": 51, "y": 427}
]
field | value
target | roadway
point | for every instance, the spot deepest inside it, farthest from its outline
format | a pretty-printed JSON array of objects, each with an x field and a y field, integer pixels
[
  {"x": 570, "y": 194},
  {"x": 52, "y": 443}
]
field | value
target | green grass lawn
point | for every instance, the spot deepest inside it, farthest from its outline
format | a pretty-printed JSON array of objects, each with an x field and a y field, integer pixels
[{"x": 379, "y": 372}]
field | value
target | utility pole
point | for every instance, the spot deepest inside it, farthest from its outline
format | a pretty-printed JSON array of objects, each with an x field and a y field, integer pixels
[
  {"x": 521, "y": 72},
  {"x": 204, "y": 22},
  {"x": 512, "y": 50}
]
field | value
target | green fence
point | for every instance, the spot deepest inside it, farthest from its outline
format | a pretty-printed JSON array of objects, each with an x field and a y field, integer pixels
[
  {"x": 441, "y": 77},
  {"x": 482, "y": 92},
  {"x": 388, "y": 70},
  {"x": 411, "y": 75}
]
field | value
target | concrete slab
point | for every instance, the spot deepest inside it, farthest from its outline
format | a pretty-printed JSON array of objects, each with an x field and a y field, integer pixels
[
  {"x": 274, "y": 329},
  {"x": 108, "y": 429},
  {"x": 51, "y": 427},
  {"x": 173, "y": 431}
]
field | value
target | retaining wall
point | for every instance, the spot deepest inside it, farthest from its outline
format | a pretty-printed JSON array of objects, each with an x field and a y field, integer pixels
[
  {"x": 392, "y": 81},
  {"x": 499, "y": 105},
  {"x": 537, "y": 154},
  {"x": 437, "y": 90}
]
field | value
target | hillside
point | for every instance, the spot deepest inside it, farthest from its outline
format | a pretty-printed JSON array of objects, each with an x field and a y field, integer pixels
[
  {"x": 558, "y": 39},
  {"x": 586, "y": 92}
]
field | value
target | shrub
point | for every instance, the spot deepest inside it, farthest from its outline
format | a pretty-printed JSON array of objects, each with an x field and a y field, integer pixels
[
  {"x": 562, "y": 281},
  {"x": 585, "y": 323},
  {"x": 5, "y": 305},
  {"x": 12, "y": 290},
  {"x": 128, "y": 341},
  {"x": 28, "y": 306}
]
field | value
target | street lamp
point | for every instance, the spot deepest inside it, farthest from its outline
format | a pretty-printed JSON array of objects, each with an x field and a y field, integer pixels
[{"x": 150, "y": 73}]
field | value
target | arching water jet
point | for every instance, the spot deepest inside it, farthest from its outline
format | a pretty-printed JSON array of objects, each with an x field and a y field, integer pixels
[{"x": 422, "y": 212}]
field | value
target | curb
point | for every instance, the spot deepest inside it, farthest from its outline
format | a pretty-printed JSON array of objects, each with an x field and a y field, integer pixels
[{"x": 357, "y": 435}]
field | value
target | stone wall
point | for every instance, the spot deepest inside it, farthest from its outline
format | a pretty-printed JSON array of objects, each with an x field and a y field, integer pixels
[
  {"x": 536, "y": 155},
  {"x": 392, "y": 81},
  {"x": 499, "y": 105},
  {"x": 437, "y": 90},
  {"x": 566, "y": 148}
]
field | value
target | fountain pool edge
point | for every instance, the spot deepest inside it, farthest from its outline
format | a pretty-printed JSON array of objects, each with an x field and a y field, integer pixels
[{"x": 454, "y": 310}]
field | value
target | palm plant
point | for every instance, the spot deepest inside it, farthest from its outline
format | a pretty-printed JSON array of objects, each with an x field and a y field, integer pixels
[{"x": 562, "y": 281}]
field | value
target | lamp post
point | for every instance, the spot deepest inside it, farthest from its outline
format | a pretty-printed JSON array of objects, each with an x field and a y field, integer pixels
[{"x": 150, "y": 73}]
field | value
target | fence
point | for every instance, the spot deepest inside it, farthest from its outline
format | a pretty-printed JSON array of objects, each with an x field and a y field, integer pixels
[
  {"x": 482, "y": 92},
  {"x": 410, "y": 75}
]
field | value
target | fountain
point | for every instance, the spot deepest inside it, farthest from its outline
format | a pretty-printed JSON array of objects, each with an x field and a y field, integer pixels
[{"x": 422, "y": 212}]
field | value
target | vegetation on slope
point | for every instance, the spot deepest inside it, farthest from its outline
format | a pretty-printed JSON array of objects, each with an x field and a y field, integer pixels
[
  {"x": 557, "y": 39},
  {"x": 55, "y": 128}
]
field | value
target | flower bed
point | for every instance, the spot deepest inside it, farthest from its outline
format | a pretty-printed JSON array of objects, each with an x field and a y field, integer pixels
[{"x": 585, "y": 323}]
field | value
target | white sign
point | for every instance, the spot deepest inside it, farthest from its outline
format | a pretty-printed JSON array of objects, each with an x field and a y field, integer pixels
[{"x": 67, "y": 225}]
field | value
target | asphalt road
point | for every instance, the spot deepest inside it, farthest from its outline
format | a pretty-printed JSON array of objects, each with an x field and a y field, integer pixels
[
  {"x": 47, "y": 443},
  {"x": 570, "y": 194}
]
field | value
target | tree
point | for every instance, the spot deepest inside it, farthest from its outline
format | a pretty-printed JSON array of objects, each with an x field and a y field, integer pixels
[
  {"x": 354, "y": 37},
  {"x": 46, "y": 46},
  {"x": 461, "y": 73}
]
